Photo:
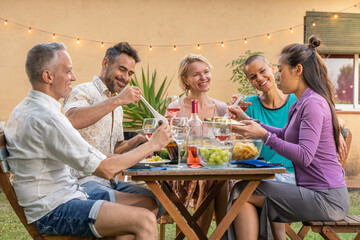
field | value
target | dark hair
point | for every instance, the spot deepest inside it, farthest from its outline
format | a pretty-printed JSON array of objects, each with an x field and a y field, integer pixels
[
  {"x": 123, "y": 47},
  {"x": 252, "y": 58},
  {"x": 315, "y": 74},
  {"x": 39, "y": 58}
]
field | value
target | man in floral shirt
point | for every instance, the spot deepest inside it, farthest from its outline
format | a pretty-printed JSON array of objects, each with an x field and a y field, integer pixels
[{"x": 94, "y": 108}]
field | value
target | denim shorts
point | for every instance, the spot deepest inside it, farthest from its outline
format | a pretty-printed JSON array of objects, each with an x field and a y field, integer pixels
[
  {"x": 75, "y": 217},
  {"x": 124, "y": 187}
]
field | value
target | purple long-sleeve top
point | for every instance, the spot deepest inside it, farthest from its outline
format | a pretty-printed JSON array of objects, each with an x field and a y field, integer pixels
[{"x": 308, "y": 141}]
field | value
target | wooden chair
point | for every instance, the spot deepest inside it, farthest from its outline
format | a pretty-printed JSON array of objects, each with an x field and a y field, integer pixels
[
  {"x": 328, "y": 230},
  {"x": 11, "y": 196}
]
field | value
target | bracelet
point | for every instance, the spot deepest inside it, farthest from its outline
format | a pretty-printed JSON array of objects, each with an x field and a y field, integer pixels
[{"x": 267, "y": 136}]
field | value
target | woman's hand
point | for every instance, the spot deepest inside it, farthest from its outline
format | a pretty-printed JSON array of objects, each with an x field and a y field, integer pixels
[
  {"x": 250, "y": 130},
  {"x": 342, "y": 149},
  {"x": 237, "y": 113}
]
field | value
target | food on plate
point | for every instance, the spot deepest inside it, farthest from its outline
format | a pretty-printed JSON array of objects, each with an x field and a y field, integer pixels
[
  {"x": 245, "y": 151},
  {"x": 155, "y": 159}
]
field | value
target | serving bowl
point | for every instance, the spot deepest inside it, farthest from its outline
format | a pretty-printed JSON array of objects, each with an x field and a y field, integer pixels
[
  {"x": 247, "y": 149},
  {"x": 215, "y": 156}
]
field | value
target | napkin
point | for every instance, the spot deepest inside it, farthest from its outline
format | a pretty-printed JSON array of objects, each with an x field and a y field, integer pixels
[
  {"x": 253, "y": 163},
  {"x": 147, "y": 169}
]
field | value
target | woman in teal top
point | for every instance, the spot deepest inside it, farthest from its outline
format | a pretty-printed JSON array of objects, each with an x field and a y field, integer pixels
[
  {"x": 276, "y": 117},
  {"x": 271, "y": 107}
]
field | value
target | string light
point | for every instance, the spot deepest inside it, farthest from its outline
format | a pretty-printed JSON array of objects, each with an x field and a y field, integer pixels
[
  {"x": 351, "y": 86},
  {"x": 53, "y": 37},
  {"x": 198, "y": 47},
  {"x": 150, "y": 48},
  {"x": 174, "y": 47},
  {"x": 5, "y": 22},
  {"x": 102, "y": 44},
  {"x": 245, "y": 41},
  {"x": 29, "y": 30},
  {"x": 222, "y": 44},
  {"x": 78, "y": 41},
  {"x": 291, "y": 30},
  {"x": 268, "y": 36},
  {"x": 313, "y": 24},
  {"x": 335, "y": 16}
]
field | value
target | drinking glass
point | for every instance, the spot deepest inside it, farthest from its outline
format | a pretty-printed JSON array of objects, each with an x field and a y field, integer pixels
[
  {"x": 174, "y": 107},
  {"x": 243, "y": 98},
  {"x": 180, "y": 130},
  {"x": 149, "y": 127},
  {"x": 222, "y": 129}
]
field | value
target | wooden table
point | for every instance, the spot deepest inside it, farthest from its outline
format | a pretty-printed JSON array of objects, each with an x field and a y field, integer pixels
[{"x": 156, "y": 181}]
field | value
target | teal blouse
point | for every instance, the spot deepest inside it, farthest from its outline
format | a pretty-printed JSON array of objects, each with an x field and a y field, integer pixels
[{"x": 273, "y": 117}]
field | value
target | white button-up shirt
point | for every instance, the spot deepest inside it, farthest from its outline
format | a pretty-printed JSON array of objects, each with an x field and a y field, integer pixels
[
  {"x": 42, "y": 144},
  {"x": 103, "y": 134}
]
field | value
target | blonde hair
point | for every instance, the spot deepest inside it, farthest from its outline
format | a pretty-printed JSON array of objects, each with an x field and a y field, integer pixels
[{"x": 184, "y": 66}]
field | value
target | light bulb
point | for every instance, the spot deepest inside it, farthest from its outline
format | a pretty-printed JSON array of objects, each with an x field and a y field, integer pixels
[
  {"x": 198, "y": 47},
  {"x": 335, "y": 16},
  {"x": 351, "y": 86},
  {"x": 174, "y": 47},
  {"x": 268, "y": 36},
  {"x": 102, "y": 44},
  {"x": 5, "y": 22},
  {"x": 53, "y": 37},
  {"x": 313, "y": 24},
  {"x": 150, "y": 48},
  {"x": 291, "y": 30},
  {"x": 222, "y": 44},
  {"x": 29, "y": 30},
  {"x": 245, "y": 41},
  {"x": 78, "y": 41}
]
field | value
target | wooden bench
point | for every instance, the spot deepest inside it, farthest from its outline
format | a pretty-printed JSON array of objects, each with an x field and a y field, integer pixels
[
  {"x": 328, "y": 229},
  {"x": 11, "y": 196}
]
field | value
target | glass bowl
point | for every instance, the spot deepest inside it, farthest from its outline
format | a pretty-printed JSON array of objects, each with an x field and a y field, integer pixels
[
  {"x": 247, "y": 149},
  {"x": 215, "y": 156}
]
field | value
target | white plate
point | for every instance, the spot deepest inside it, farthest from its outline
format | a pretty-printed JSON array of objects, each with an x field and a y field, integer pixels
[{"x": 154, "y": 163}]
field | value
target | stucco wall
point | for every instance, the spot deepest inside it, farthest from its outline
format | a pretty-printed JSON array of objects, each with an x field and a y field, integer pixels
[{"x": 152, "y": 22}]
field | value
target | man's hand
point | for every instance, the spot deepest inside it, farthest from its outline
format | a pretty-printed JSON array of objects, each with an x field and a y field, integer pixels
[
  {"x": 161, "y": 137},
  {"x": 129, "y": 95}
]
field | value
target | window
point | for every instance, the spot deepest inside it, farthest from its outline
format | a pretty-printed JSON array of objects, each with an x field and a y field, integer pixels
[{"x": 342, "y": 74}]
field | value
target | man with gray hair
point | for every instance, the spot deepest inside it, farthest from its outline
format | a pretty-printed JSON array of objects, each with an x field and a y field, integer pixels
[{"x": 43, "y": 145}]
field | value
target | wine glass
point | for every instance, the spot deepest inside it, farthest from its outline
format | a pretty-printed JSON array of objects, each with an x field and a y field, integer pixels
[
  {"x": 149, "y": 127},
  {"x": 180, "y": 131},
  {"x": 243, "y": 99},
  {"x": 222, "y": 129},
  {"x": 172, "y": 105}
]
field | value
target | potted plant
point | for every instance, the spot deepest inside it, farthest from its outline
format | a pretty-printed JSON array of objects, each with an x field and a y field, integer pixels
[{"x": 134, "y": 114}]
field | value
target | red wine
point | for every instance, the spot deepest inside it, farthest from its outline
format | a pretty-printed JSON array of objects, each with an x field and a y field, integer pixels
[
  {"x": 222, "y": 138},
  {"x": 244, "y": 108},
  {"x": 173, "y": 111},
  {"x": 148, "y": 136}
]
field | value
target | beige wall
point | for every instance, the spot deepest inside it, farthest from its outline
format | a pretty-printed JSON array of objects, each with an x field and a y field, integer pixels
[{"x": 151, "y": 22}]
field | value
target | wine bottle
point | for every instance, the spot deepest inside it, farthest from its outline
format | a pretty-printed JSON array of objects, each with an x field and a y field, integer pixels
[{"x": 195, "y": 136}]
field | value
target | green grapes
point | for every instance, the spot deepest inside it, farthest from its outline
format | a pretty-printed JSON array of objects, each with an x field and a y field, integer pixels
[{"x": 215, "y": 156}]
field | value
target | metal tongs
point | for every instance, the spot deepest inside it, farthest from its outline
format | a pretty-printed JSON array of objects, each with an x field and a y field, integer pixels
[{"x": 153, "y": 111}]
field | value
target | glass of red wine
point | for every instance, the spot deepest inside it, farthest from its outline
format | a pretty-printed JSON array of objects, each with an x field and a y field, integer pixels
[
  {"x": 149, "y": 127},
  {"x": 243, "y": 99},
  {"x": 222, "y": 129},
  {"x": 172, "y": 105}
]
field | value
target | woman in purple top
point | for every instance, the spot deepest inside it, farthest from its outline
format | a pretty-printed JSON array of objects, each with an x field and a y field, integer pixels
[{"x": 310, "y": 140}]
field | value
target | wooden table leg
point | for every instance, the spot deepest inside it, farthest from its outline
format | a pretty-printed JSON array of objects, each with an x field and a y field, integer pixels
[
  {"x": 184, "y": 212},
  {"x": 202, "y": 207},
  {"x": 234, "y": 210},
  {"x": 171, "y": 209}
]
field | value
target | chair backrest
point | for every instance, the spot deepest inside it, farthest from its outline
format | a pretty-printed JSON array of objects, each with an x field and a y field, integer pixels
[
  {"x": 9, "y": 191},
  {"x": 346, "y": 133}
]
